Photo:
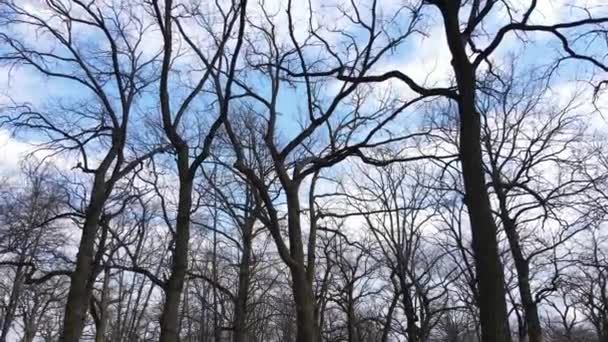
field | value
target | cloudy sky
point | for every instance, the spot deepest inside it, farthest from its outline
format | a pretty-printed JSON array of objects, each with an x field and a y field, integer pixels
[{"x": 423, "y": 56}]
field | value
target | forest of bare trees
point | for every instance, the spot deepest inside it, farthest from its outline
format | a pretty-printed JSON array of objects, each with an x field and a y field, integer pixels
[{"x": 304, "y": 170}]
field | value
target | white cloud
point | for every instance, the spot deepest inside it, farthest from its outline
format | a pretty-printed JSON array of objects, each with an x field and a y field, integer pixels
[{"x": 12, "y": 152}]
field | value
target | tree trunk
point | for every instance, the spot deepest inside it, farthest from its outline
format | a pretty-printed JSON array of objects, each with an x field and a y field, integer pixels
[
  {"x": 531, "y": 319},
  {"x": 490, "y": 277},
  {"x": 305, "y": 307},
  {"x": 12, "y": 303},
  {"x": 412, "y": 329},
  {"x": 240, "y": 305},
  {"x": 389, "y": 317},
  {"x": 602, "y": 328},
  {"x": 82, "y": 278},
  {"x": 217, "y": 332},
  {"x": 29, "y": 332},
  {"x": 353, "y": 333},
  {"x": 100, "y": 332},
  {"x": 169, "y": 323},
  {"x": 307, "y": 328},
  {"x": 31, "y": 321}
]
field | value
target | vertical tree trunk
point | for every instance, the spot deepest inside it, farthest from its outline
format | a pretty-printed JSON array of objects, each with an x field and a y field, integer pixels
[
  {"x": 217, "y": 332},
  {"x": 29, "y": 331},
  {"x": 203, "y": 325},
  {"x": 173, "y": 290},
  {"x": 307, "y": 328},
  {"x": 305, "y": 307},
  {"x": 82, "y": 278},
  {"x": 12, "y": 302},
  {"x": 31, "y": 320},
  {"x": 412, "y": 329},
  {"x": 603, "y": 329},
  {"x": 531, "y": 319},
  {"x": 490, "y": 277},
  {"x": 240, "y": 305},
  {"x": 389, "y": 317},
  {"x": 100, "y": 332},
  {"x": 353, "y": 333}
]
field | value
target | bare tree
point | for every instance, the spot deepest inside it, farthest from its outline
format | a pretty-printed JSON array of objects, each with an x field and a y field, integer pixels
[
  {"x": 525, "y": 137},
  {"x": 28, "y": 237},
  {"x": 463, "y": 23},
  {"x": 280, "y": 171},
  {"x": 399, "y": 209},
  {"x": 281, "y": 62},
  {"x": 173, "y": 119},
  {"x": 94, "y": 127}
]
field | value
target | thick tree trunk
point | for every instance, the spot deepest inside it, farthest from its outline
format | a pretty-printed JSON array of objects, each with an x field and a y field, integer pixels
[
  {"x": 603, "y": 329},
  {"x": 389, "y": 317},
  {"x": 353, "y": 332},
  {"x": 82, "y": 279},
  {"x": 32, "y": 320},
  {"x": 305, "y": 307},
  {"x": 412, "y": 329},
  {"x": 12, "y": 302},
  {"x": 532, "y": 321},
  {"x": 307, "y": 327},
  {"x": 100, "y": 332},
  {"x": 217, "y": 331},
  {"x": 490, "y": 277},
  {"x": 29, "y": 332},
  {"x": 81, "y": 285},
  {"x": 169, "y": 322},
  {"x": 240, "y": 305}
]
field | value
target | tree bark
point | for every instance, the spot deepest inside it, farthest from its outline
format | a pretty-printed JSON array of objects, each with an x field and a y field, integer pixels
[
  {"x": 490, "y": 278},
  {"x": 412, "y": 329},
  {"x": 82, "y": 278},
  {"x": 307, "y": 327},
  {"x": 531, "y": 319},
  {"x": 100, "y": 332},
  {"x": 240, "y": 305},
  {"x": 217, "y": 332},
  {"x": 29, "y": 331},
  {"x": 169, "y": 322},
  {"x": 304, "y": 300},
  {"x": 12, "y": 304},
  {"x": 351, "y": 321},
  {"x": 603, "y": 329},
  {"x": 389, "y": 317}
]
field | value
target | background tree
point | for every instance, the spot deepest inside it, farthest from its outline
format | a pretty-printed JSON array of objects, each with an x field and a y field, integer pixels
[{"x": 303, "y": 171}]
